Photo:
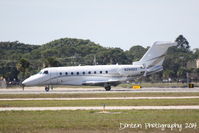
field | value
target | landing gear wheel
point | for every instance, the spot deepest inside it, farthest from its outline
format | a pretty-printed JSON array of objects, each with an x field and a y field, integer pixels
[
  {"x": 108, "y": 88},
  {"x": 46, "y": 88}
]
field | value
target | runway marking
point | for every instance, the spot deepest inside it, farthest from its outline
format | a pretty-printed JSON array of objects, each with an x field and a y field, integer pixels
[
  {"x": 98, "y": 98},
  {"x": 99, "y": 108}
]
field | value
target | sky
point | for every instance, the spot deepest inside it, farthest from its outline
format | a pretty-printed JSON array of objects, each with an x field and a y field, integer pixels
[{"x": 110, "y": 23}]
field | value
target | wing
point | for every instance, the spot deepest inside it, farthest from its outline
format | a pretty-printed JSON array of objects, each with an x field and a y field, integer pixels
[{"x": 101, "y": 82}]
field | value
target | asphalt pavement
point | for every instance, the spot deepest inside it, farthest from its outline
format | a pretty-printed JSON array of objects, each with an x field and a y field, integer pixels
[{"x": 40, "y": 90}]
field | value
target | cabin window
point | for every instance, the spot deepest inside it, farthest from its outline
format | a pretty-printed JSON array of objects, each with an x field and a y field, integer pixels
[
  {"x": 83, "y": 72},
  {"x": 66, "y": 73},
  {"x": 89, "y": 72},
  {"x": 94, "y": 72},
  {"x": 45, "y": 72},
  {"x": 60, "y": 73},
  {"x": 77, "y": 73},
  {"x": 71, "y": 73},
  {"x": 100, "y": 72},
  {"x": 106, "y": 71}
]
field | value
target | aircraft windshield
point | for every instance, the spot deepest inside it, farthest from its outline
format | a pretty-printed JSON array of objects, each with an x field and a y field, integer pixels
[{"x": 43, "y": 72}]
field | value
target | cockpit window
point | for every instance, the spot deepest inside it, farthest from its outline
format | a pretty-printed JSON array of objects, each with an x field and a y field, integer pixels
[{"x": 45, "y": 72}]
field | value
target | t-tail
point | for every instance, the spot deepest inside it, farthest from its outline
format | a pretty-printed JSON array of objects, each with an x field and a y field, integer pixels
[{"x": 153, "y": 59}]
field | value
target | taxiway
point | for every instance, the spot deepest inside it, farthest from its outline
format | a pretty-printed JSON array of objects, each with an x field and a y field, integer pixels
[{"x": 40, "y": 90}]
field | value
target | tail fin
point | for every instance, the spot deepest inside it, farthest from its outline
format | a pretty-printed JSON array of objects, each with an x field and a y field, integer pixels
[{"x": 156, "y": 54}]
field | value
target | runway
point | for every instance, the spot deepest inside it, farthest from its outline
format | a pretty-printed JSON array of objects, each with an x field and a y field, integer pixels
[
  {"x": 40, "y": 90},
  {"x": 99, "y": 108},
  {"x": 97, "y": 98}
]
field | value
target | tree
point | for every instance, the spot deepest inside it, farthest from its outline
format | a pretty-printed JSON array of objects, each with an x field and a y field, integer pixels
[
  {"x": 22, "y": 66},
  {"x": 182, "y": 42},
  {"x": 167, "y": 74},
  {"x": 196, "y": 53},
  {"x": 177, "y": 58},
  {"x": 181, "y": 73},
  {"x": 136, "y": 52},
  {"x": 70, "y": 51},
  {"x": 51, "y": 62}
]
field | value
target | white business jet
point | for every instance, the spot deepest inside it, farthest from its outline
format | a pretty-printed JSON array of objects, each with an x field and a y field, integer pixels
[{"x": 102, "y": 75}]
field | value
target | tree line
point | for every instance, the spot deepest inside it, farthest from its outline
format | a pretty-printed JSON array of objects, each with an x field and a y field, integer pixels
[{"x": 18, "y": 60}]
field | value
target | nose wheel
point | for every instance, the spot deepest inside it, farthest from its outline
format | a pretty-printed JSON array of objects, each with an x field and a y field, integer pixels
[{"x": 47, "y": 88}]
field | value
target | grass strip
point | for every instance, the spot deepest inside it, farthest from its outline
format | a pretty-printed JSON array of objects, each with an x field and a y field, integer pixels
[
  {"x": 139, "y": 102},
  {"x": 91, "y": 121},
  {"x": 144, "y": 94}
]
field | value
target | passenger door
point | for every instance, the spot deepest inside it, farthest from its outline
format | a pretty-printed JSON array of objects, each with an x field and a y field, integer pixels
[{"x": 54, "y": 77}]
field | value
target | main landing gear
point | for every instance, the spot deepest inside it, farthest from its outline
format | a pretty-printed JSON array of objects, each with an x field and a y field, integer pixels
[
  {"x": 47, "y": 88},
  {"x": 107, "y": 87}
]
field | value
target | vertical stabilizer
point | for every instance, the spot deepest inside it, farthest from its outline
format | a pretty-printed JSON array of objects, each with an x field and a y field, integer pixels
[{"x": 156, "y": 54}]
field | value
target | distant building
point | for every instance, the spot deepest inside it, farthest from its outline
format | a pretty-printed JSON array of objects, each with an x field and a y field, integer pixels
[
  {"x": 197, "y": 63},
  {"x": 2, "y": 83},
  {"x": 193, "y": 64}
]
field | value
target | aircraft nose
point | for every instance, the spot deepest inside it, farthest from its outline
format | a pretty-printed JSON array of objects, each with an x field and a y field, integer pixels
[
  {"x": 25, "y": 82},
  {"x": 29, "y": 81},
  {"x": 32, "y": 80}
]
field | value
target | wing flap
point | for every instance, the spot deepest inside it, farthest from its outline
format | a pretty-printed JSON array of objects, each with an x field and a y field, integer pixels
[{"x": 100, "y": 82}]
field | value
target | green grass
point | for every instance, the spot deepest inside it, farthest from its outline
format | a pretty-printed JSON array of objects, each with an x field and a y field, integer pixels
[
  {"x": 144, "y": 94},
  {"x": 142, "y": 102},
  {"x": 90, "y": 121}
]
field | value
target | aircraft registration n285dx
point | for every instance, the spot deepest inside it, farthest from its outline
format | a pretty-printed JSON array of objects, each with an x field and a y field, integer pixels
[{"x": 102, "y": 75}]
